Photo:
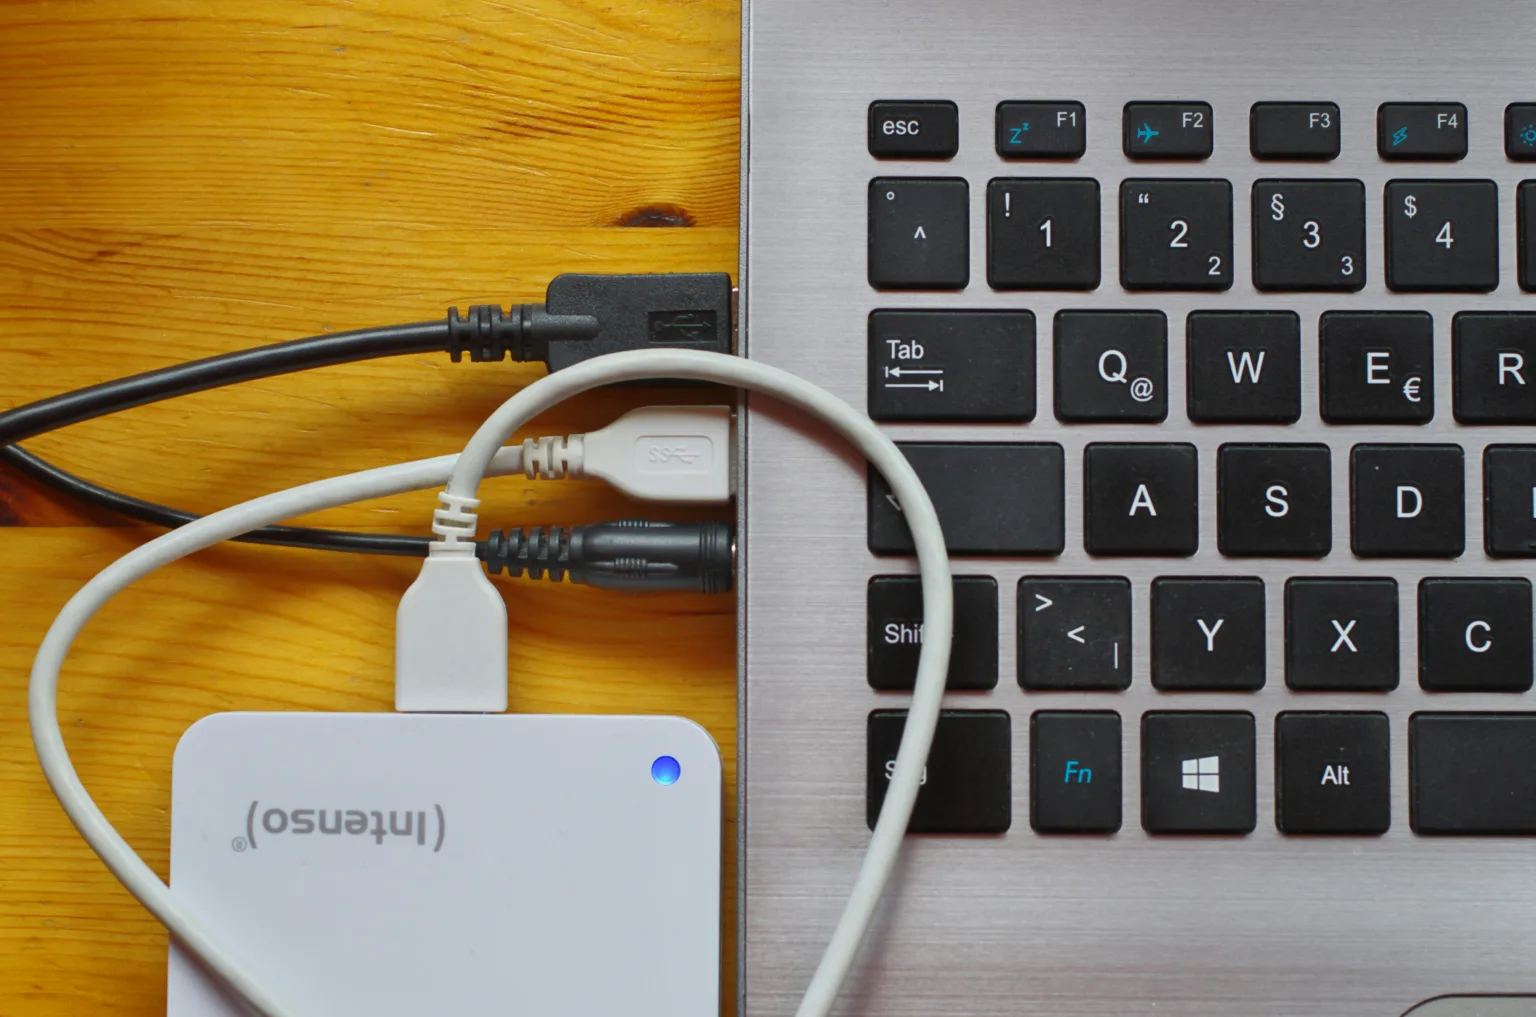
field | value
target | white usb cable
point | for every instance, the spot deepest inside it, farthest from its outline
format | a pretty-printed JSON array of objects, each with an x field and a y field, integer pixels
[{"x": 483, "y": 456}]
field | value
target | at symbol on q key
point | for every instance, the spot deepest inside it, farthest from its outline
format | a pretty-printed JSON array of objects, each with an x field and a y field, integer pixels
[{"x": 1141, "y": 390}]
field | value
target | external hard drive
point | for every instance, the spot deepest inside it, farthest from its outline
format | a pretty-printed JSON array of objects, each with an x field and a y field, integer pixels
[{"x": 396, "y": 865}]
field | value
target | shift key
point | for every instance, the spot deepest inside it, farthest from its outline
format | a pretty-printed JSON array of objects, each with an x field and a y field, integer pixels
[{"x": 971, "y": 366}]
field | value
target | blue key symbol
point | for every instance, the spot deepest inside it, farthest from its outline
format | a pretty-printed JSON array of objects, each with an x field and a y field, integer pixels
[
  {"x": 1015, "y": 139},
  {"x": 1528, "y": 136},
  {"x": 1077, "y": 773},
  {"x": 1146, "y": 133},
  {"x": 1400, "y": 137}
]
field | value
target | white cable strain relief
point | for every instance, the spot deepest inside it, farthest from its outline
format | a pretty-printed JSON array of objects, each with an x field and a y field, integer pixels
[
  {"x": 552, "y": 457},
  {"x": 455, "y": 523}
]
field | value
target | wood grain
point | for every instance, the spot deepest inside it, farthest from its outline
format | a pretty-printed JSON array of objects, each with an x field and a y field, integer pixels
[{"x": 179, "y": 179}]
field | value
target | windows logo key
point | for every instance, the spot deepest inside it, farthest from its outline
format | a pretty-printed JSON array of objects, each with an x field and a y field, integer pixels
[{"x": 1203, "y": 774}]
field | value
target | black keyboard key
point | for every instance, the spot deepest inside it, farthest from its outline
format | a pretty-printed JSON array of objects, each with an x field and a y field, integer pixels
[
  {"x": 1378, "y": 367},
  {"x": 1111, "y": 366},
  {"x": 1197, "y": 773},
  {"x": 1274, "y": 501},
  {"x": 913, "y": 130},
  {"x": 1525, "y": 217},
  {"x": 1493, "y": 364},
  {"x": 896, "y": 633},
  {"x": 1167, "y": 130},
  {"x": 1406, "y": 501},
  {"x": 1074, "y": 633},
  {"x": 1140, "y": 499},
  {"x": 967, "y": 782},
  {"x": 1442, "y": 236},
  {"x": 1341, "y": 635},
  {"x": 991, "y": 499},
  {"x": 1208, "y": 634},
  {"x": 1472, "y": 773},
  {"x": 971, "y": 366},
  {"x": 1509, "y": 501},
  {"x": 1243, "y": 367},
  {"x": 1041, "y": 130},
  {"x": 919, "y": 233},
  {"x": 1475, "y": 635},
  {"x": 1309, "y": 235},
  {"x": 1294, "y": 130},
  {"x": 1043, "y": 234},
  {"x": 1520, "y": 131},
  {"x": 1074, "y": 771},
  {"x": 1176, "y": 234},
  {"x": 1333, "y": 773},
  {"x": 1422, "y": 130}
]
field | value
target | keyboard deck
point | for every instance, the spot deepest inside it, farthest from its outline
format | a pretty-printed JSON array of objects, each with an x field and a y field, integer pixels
[{"x": 1209, "y": 328}]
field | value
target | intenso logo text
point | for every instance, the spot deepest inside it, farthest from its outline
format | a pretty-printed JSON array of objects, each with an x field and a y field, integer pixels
[{"x": 414, "y": 827}]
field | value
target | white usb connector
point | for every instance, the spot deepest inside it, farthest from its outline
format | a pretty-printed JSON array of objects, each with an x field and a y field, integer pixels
[
  {"x": 451, "y": 627},
  {"x": 662, "y": 453}
]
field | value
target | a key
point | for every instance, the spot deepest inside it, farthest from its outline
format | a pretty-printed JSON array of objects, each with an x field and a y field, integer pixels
[
  {"x": 1041, "y": 130},
  {"x": 1167, "y": 130},
  {"x": 1341, "y": 635},
  {"x": 1111, "y": 366},
  {"x": 1406, "y": 501},
  {"x": 1140, "y": 499},
  {"x": 896, "y": 633},
  {"x": 1421, "y": 130},
  {"x": 1520, "y": 131},
  {"x": 1442, "y": 236},
  {"x": 1274, "y": 500},
  {"x": 1197, "y": 773},
  {"x": 1243, "y": 367},
  {"x": 1043, "y": 234},
  {"x": 1378, "y": 367},
  {"x": 1309, "y": 235},
  {"x": 1333, "y": 773},
  {"x": 1074, "y": 633},
  {"x": 1509, "y": 501},
  {"x": 971, "y": 366},
  {"x": 1475, "y": 635},
  {"x": 919, "y": 233},
  {"x": 1493, "y": 365},
  {"x": 1208, "y": 634},
  {"x": 921, "y": 129},
  {"x": 1074, "y": 771},
  {"x": 1472, "y": 773},
  {"x": 1294, "y": 130},
  {"x": 1176, "y": 234},
  {"x": 990, "y": 498},
  {"x": 967, "y": 782}
]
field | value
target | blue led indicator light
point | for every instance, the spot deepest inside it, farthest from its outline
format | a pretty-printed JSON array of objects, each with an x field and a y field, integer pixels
[{"x": 666, "y": 770}]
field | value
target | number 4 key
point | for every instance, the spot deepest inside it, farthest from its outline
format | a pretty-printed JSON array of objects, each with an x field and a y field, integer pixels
[{"x": 1442, "y": 236}]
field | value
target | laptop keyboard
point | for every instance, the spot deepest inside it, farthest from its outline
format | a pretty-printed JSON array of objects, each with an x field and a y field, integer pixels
[{"x": 1469, "y": 772}]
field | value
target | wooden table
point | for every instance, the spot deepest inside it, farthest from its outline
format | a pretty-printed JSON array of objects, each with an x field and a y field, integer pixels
[{"x": 179, "y": 179}]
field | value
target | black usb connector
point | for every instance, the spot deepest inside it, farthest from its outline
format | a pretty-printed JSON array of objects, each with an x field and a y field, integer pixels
[{"x": 585, "y": 316}]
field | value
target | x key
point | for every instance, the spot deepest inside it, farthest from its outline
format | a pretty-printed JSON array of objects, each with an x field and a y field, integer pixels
[{"x": 1341, "y": 634}]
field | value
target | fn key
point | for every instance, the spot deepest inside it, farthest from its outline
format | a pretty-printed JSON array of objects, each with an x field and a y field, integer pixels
[{"x": 967, "y": 783}]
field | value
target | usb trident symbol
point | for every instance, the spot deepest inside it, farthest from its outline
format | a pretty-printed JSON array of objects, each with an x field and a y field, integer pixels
[{"x": 1400, "y": 137}]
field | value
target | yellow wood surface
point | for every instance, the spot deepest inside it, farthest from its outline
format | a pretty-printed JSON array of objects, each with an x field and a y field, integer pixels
[{"x": 183, "y": 178}]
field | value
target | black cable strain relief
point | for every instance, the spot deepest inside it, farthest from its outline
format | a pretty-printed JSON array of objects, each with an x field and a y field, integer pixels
[
  {"x": 489, "y": 334},
  {"x": 536, "y": 552}
]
